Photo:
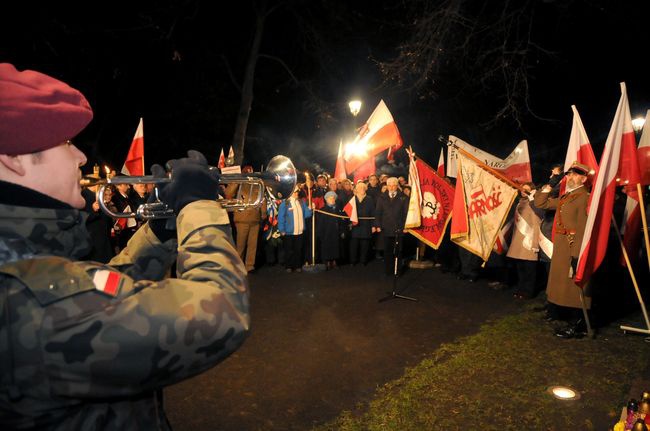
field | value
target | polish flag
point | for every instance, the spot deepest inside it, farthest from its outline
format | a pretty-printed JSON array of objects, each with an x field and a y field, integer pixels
[
  {"x": 441, "y": 163},
  {"x": 579, "y": 148},
  {"x": 222, "y": 160},
  {"x": 615, "y": 164},
  {"x": 339, "y": 172},
  {"x": 134, "y": 164},
  {"x": 515, "y": 167},
  {"x": 631, "y": 226},
  {"x": 365, "y": 170},
  {"x": 378, "y": 134},
  {"x": 351, "y": 210},
  {"x": 644, "y": 152}
]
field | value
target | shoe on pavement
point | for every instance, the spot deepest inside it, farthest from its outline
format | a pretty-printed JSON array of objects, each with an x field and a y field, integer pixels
[{"x": 573, "y": 331}]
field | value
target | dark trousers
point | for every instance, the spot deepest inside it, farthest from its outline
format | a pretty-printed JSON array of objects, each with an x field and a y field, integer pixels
[
  {"x": 293, "y": 257},
  {"x": 470, "y": 264},
  {"x": 526, "y": 277},
  {"x": 359, "y": 248},
  {"x": 390, "y": 253}
]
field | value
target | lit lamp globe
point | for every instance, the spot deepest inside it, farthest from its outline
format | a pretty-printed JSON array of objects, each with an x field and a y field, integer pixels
[
  {"x": 355, "y": 107},
  {"x": 638, "y": 123}
]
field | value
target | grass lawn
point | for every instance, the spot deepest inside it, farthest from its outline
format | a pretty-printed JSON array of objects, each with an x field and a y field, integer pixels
[{"x": 497, "y": 379}]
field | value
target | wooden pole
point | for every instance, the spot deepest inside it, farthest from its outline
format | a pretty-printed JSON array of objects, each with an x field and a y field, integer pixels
[{"x": 636, "y": 286}]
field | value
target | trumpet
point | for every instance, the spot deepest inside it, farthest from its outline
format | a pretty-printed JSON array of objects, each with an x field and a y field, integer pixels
[{"x": 279, "y": 180}]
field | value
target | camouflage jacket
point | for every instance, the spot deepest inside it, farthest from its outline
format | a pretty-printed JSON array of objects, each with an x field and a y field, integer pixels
[{"x": 87, "y": 346}]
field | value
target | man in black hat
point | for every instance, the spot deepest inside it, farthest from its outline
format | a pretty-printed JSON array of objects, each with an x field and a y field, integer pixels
[{"x": 570, "y": 220}]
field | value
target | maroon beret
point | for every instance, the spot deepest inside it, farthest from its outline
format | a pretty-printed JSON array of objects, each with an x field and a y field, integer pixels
[{"x": 38, "y": 112}]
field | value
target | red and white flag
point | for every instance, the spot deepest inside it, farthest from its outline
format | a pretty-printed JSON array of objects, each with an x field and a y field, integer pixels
[
  {"x": 644, "y": 152},
  {"x": 631, "y": 226},
  {"x": 222, "y": 160},
  {"x": 107, "y": 281},
  {"x": 351, "y": 210},
  {"x": 365, "y": 170},
  {"x": 579, "y": 149},
  {"x": 378, "y": 134},
  {"x": 441, "y": 163},
  {"x": 515, "y": 167},
  {"x": 436, "y": 198},
  {"x": 134, "y": 164},
  {"x": 230, "y": 159},
  {"x": 502, "y": 243},
  {"x": 339, "y": 171},
  {"x": 482, "y": 201},
  {"x": 414, "y": 214},
  {"x": 615, "y": 163}
]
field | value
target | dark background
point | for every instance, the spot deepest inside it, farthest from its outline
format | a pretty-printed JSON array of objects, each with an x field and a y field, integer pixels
[{"x": 175, "y": 63}]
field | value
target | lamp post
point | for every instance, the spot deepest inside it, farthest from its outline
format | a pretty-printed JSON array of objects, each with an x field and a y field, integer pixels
[
  {"x": 637, "y": 124},
  {"x": 355, "y": 107}
]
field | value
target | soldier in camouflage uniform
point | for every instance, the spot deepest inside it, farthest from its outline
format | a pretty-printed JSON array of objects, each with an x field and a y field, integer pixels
[{"x": 89, "y": 346}]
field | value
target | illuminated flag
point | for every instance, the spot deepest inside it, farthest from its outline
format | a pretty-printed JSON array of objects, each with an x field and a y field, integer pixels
[
  {"x": 482, "y": 201},
  {"x": 437, "y": 197},
  {"x": 365, "y": 170},
  {"x": 441, "y": 163},
  {"x": 615, "y": 163},
  {"x": 579, "y": 148},
  {"x": 222, "y": 160},
  {"x": 230, "y": 160},
  {"x": 414, "y": 214},
  {"x": 351, "y": 210},
  {"x": 134, "y": 164},
  {"x": 339, "y": 171},
  {"x": 378, "y": 134},
  {"x": 515, "y": 167}
]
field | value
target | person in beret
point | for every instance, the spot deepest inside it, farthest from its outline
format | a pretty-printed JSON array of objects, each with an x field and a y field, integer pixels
[
  {"x": 88, "y": 346},
  {"x": 568, "y": 229}
]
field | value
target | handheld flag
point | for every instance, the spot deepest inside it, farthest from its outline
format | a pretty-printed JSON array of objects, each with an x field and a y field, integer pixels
[
  {"x": 230, "y": 160},
  {"x": 643, "y": 152},
  {"x": 596, "y": 234},
  {"x": 579, "y": 148},
  {"x": 482, "y": 202},
  {"x": 134, "y": 164},
  {"x": 436, "y": 203},
  {"x": 441, "y": 163},
  {"x": 351, "y": 210},
  {"x": 378, "y": 134},
  {"x": 515, "y": 167},
  {"x": 222, "y": 160},
  {"x": 339, "y": 172}
]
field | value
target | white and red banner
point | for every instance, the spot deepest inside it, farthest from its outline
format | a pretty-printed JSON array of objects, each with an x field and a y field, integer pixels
[
  {"x": 482, "y": 201},
  {"x": 222, "y": 160},
  {"x": 378, "y": 134},
  {"x": 631, "y": 226},
  {"x": 134, "y": 164},
  {"x": 351, "y": 210},
  {"x": 365, "y": 170},
  {"x": 414, "y": 214},
  {"x": 515, "y": 167},
  {"x": 579, "y": 149},
  {"x": 339, "y": 171},
  {"x": 107, "y": 281},
  {"x": 615, "y": 163},
  {"x": 441, "y": 163},
  {"x": 435, "y": 205},
  {"x": 643, "y": 152}
]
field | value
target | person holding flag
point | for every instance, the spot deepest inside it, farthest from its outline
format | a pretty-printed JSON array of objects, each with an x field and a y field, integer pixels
[
  {"x": 361, "y": 230},
  {"x": 563, "y": 294}
]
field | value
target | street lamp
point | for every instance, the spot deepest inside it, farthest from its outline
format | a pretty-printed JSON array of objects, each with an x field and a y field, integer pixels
[
  {"x": 355, "y": 107},
  {"x": 637, "y": 124}
]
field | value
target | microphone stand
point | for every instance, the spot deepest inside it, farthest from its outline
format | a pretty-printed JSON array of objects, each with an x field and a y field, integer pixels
[{"x": 396, "y": 252}]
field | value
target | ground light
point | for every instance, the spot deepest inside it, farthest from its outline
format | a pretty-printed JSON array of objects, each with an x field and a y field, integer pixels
[{"x": 564, "y": 393}]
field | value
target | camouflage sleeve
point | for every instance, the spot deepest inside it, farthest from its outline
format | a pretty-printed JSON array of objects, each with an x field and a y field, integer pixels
[
  {"x": 145, "y": 257},
  {"x": 153, "y": 334}
]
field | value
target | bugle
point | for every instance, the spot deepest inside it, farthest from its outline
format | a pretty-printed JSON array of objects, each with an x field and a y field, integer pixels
[{"x": 279, "y": 179}]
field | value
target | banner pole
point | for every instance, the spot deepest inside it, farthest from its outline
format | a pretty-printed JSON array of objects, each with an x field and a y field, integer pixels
[
  {"x": 590, "y": 331},
  {"x": 636, "y": 286},
  {"x": 313, "y": 238}
]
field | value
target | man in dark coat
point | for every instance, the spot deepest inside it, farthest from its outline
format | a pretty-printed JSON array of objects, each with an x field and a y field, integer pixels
[{"x": 390, "y": 217}]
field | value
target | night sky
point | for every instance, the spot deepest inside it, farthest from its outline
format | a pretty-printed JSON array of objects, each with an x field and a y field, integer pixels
[{"x": 174, "y": 62}]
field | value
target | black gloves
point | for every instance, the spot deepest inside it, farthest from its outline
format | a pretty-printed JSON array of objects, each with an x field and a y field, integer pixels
[{"x": 192, "y": 180}]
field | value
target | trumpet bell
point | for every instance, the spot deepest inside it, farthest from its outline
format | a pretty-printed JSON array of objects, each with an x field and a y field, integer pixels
[{"x": 280, "y": 177}]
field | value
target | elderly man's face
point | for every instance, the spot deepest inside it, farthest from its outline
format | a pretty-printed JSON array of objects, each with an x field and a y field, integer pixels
[
  {"x": 575, "y": 180},
  {"x": 391, "y": 186},
  {"x": 332, "y": 184}
]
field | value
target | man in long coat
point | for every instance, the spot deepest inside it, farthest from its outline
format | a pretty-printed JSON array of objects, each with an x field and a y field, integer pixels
[{"x": 568, "y": 230}]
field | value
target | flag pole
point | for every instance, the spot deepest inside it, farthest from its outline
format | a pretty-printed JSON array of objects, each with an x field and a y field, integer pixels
[
  {"x": 645, "y": 223},
  {"x": 590, "y": 331},
  {"x": 634, "y": 282}
]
